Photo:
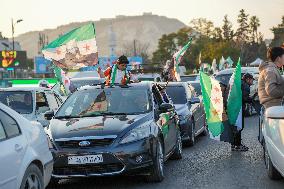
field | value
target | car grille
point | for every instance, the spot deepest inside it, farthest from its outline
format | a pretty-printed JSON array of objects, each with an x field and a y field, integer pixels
[
  {"x": 86, "y": 170},
  {"x": 93, "y": 143}
]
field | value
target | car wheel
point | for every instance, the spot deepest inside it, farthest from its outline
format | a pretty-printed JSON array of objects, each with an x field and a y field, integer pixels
[
  {"x": 205, "y": 131},
  {"x": 178, "y": 149},
  {"x": 157, "y": 172},
  {"x": 191, "y": 134},
  {"x": 32, "y": 178},
  {"x": 271, "y": 170}
]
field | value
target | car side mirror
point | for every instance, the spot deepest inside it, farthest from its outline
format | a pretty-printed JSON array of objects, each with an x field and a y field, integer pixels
[
  {"x": 166, "y": 107},
  {"x": 275, "y": 112},
  {"x": 49, "y": 115},
  {"x": 194, "y": 100}
]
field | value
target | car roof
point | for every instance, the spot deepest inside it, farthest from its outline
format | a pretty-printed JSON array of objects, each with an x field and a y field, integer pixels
[
  {"x": 190, "y": 75},
  {"x": 173, "y": 83},
  {"x": 25, "y": 89},
  {"x": 194, "y": 82},
  {"x": 85, "y": 78},
  {"x": 147, "y": 84},
  {"x": 244, "y": 70}
]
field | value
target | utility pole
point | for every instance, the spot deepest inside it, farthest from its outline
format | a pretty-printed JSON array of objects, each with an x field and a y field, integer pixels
[
  {"x": 13, "y": 31},
  {"x": 134, "y": 47}
]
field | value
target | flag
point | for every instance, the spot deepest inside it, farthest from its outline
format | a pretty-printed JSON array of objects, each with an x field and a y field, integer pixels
[
  {"x": 62, "y": 79},
  {"x": 234, "y": 102},
  {"x": 230, "y": 62},
  {"x": 213, "y": 104},
  {"x": 75, "y": 49},
  {"x": 214, "y": 65},
  {"x": 221, "y": 63},
  {"x": 177, "y": 58}
]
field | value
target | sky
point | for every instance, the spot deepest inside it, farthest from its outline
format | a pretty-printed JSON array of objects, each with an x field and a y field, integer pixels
[{"x": 48, "y": 14}]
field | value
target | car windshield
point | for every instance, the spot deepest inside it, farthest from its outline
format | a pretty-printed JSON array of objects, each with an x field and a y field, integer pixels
[
  {"x": 110, "y": 101},
  {"x": 197, "y": 88},
  {"x": 20, "y": 101},
  {"x": 223, "y": 78},
  {"x": 188, "y": 78},
  {"x": 177, "y": 94}
]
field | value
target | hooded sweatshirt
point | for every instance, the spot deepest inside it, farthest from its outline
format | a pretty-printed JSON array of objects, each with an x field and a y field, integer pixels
[{"x": 270, "y": 85}]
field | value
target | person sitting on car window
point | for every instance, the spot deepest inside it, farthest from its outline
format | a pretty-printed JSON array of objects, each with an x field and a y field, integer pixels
[{"x": 117, "y": 74}]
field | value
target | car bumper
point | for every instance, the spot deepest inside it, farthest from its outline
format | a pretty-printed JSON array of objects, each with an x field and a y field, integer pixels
[
  {"x": 185, "y": 130},
  {"x": 48, "y": 168},
  {"x": 135, "y": 157}
]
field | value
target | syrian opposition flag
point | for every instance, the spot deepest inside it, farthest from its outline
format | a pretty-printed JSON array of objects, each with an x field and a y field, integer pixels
[
  {"x": 213, "y": 104},
  {"x": 234, "y": 103},
  {"x": 62, "y": 78},
  {"x": 177, "y": 58},
  {"x": 75, "y": 49}
]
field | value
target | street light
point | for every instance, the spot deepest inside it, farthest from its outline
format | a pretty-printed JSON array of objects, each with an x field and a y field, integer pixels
[{"x": 13, "y": 31}]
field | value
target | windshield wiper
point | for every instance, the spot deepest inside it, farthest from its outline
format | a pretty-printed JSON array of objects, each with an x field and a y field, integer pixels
[{"x": 66, "y": 117}]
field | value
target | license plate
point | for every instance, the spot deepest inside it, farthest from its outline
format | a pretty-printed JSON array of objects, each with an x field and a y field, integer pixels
[{"x": 75, "y": 160}]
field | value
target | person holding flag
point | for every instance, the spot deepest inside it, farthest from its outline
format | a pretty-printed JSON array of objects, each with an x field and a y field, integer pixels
[{"x": 117, "y": 74}]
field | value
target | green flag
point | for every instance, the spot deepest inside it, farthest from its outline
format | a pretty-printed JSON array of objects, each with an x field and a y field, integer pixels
[
  {"x": 213, "y": 104},
  {"x": 75, "y": 49},
  {"x": 234, "y": 103}
]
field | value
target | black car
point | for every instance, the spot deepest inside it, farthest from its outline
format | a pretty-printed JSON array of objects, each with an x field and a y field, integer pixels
[
  {"x": 190, "y": 111},
  {"x": 114, "y": 130}
]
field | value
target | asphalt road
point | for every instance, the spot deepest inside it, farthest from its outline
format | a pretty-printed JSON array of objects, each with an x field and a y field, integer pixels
[{"x": 208, "y": 164}]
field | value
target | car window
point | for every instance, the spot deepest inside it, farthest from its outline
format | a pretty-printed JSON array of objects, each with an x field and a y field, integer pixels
[
  {"x": 106, "y": 101},
  {"x": 52, "y": 101},
  {"x": 20, "y": 101},
  {"x": 10, "y": 125},
  {"x": 197, "y": 88},
  {"x": 2, "y": 132},
  {"x": 41, "y": 102},
  {"x": 59, "y": 101},
  {"x": 177, "y": 94}
]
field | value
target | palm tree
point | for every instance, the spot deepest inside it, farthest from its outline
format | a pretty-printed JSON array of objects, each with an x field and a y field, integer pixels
[{"x": 254, "y": 24}]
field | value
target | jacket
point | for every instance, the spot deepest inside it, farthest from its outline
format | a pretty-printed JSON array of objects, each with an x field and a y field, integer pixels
[{"x": 270, "y": 85}]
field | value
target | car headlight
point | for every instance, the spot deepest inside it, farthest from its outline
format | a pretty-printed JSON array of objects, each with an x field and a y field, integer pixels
[{"x": 137, "y": 133}]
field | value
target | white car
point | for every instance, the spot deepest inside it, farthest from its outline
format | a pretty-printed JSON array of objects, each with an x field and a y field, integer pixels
[
  {"x": 32, "y": 102},
  {"x": 25, "y": 159},
  {"x": 273, "y": 141}
]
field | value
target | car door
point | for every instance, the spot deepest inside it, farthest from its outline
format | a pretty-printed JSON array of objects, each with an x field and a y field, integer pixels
[
  {"x": 13, "y": 146},
  {"x": 165, "y": 120},
  {"x": 194, "y": 108}
]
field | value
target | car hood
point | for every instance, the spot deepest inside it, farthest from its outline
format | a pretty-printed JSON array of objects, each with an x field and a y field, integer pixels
[{"x": 95, "y": 126}]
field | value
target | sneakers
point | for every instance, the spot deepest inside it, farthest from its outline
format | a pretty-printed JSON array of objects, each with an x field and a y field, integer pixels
[{"x": 241, "y": 148}]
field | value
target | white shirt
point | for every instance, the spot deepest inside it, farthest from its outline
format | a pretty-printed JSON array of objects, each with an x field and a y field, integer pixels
[{"x": 119, "y": 76}]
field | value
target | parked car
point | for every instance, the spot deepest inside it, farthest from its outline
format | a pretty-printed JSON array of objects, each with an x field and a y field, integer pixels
[
  {"x": 32, "y": 103},
  {"x": 115, "y": 130},
  {"x": 191, "y": 77},
  {"x": 273, "y": 141},
  {"x": 190, "y": 110},
  {"x": 148, "y": 77},
  {"x": 25, "y": 159}
]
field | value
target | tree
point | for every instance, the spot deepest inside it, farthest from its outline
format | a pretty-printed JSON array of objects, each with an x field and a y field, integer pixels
[
  {"x": 278, "y": 32},
  {"x": 137, "y": 49},
  {"x": 217, "y": 34},
  {"x": 254, "y": 24},
  {"x": 203, "y": 26},
  {"x": 227, "y": 29},
  {"x": 243, "y": 30}
]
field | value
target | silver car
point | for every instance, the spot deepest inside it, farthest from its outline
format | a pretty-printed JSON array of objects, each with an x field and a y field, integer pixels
[
  {"x": 273, "y": 141},
  {"x": 32, "y": 103}
]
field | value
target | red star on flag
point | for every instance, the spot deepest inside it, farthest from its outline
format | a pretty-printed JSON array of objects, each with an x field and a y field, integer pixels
[
  {"x": 215, "y": 112},
  {"x": 216, "y": 89},
  {"x": 87, "y": 47},
  {"x": 99, "y": 106},
  {"x": 216, "y": 100}
]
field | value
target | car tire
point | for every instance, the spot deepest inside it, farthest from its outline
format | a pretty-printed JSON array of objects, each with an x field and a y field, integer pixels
[
  {"x": 271, "y": 170},
  {"x": 205, "y": 131},
  {"x": 191, "y": 134},
  {"x": 157, "y": 171},
  {"x": 33, "y": 178},
  {"x": 177, "y": 154}
]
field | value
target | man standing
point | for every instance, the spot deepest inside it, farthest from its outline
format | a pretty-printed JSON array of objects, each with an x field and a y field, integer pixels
[{"x": 117, "y": 74}]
